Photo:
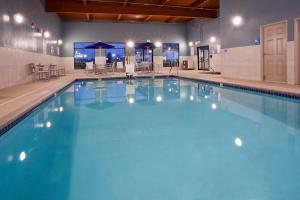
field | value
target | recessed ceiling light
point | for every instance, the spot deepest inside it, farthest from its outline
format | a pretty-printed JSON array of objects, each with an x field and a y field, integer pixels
[{"x": 19, "y": 19}]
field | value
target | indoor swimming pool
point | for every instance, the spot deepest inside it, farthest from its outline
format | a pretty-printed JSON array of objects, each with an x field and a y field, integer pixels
[{"x": 154, "y": 139}]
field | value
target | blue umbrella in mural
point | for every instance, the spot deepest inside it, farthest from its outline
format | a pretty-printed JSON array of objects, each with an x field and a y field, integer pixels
[
  {"x": 99, "y": 45},
  {"x": 146, "y": 45}
]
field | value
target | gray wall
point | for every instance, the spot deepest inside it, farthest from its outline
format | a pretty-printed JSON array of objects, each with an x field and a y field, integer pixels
[
  {"x": 20, "y": 36},
  {"x": 254, "y": 12},
  {"x": 202, "y": 30},
  {"x": 121, "y": 32}
]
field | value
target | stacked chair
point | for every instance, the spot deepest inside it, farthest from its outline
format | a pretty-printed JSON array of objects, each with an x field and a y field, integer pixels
[{"x": 46, "y": 72}]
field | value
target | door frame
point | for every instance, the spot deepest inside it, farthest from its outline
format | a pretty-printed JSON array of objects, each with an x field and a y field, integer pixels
[
  {"x": 297, "y": 50},
  {"x": 198, "y": 49},
  {"x": 262, "y": 71}
]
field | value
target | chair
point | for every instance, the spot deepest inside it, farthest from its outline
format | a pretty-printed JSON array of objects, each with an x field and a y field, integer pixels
[
  {"x": 146, "y": 66},
  {"x": 89, "y": 67},
  {"x": 157, "y": 67},
  {"x": 109, "y": 67},
  {"x": 139, "y": 67},
  {"x": 120, "y": 66},
  {"x": 129, "y": 69},
  {"x": 54, "y": 71},
  {"x": 44, "y": 72},
  {"x": 143, "y": 66},
  {"x": 61, "y": 70},
  {"x": 34, "y": 71},
  {"x": 99, "y": 69}
]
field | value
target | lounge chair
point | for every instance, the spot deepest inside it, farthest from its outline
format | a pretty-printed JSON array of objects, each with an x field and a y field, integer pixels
[
  {"x": 130, "y": 70},
  {"x": 120, "y": 66},
  {"x": 109, "y": 67},
  {"x": 89, "y": 67},
  {"x": 143, "y": 66},
  {"x": 99, "y": 69}
]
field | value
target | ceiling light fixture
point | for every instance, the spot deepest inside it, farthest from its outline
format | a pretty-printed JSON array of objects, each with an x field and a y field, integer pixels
[
  {"x": 237, "y": 20},
  {"x": 213, "y": 39},
  {"x": 5, "y": 18},
  {"x": 60, "y": 42},
  {"x": 19, "y": 19},
  {"x": 47, "y": 34},
  {"x": 158, "y": 44},
  {"x": 130, "y": 44}
]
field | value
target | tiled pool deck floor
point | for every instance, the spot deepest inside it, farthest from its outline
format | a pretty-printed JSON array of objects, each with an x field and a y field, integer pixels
[{"x": 16, "y": 101}]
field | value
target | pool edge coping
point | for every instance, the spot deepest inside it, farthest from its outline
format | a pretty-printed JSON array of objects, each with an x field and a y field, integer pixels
[{"x": 258, "y": 89}]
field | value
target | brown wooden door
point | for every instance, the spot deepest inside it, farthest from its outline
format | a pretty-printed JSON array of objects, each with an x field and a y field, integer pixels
[{"x": 275, "y": 52}]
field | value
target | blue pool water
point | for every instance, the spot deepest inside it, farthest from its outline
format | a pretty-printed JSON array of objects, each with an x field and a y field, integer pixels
[{"x": 162, "y": 139}]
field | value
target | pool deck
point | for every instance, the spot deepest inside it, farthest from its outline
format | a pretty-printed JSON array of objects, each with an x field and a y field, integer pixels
[{"x": 18, "y": 100}]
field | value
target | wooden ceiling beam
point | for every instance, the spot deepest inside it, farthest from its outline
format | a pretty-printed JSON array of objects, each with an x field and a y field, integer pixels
[
  {"x": 147, "y": 18},
  {"x": 58, "y": 6},
  {"x": 197, "y": 3},
  {"x": 171, "y": 20},
  {"x": 163, "y": 2},
  {"x": 119, "y": 17},
  {"x": 89, "y": 17},
  {"x": 125, "y": 3}
]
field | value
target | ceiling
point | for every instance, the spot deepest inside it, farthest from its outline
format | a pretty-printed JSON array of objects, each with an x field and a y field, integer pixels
[{"x": 168, "y": 11}]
